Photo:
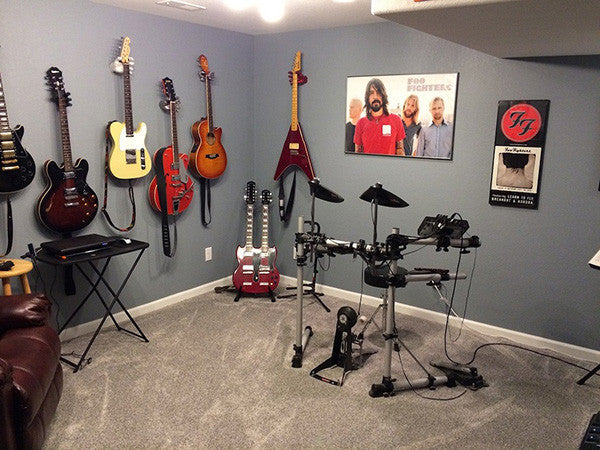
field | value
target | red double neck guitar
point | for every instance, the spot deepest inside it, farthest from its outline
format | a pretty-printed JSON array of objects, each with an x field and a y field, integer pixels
[
  {"x": 294, "y": 152},
  {"x": 256, "y": 272}
]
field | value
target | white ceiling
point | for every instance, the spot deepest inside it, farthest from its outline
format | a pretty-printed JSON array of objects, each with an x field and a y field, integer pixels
[
  {"x": 299, "y": 14},
  {"x": 503, "y": 28}
]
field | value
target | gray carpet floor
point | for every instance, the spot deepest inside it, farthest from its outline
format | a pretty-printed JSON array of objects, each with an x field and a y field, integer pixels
[{"x": 217, "y": 374}]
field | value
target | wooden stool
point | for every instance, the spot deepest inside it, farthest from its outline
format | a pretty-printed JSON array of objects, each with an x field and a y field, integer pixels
[{"x": 21, "y": 268}]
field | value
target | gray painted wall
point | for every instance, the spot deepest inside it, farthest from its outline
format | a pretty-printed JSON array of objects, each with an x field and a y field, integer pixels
[{"x": 531, "y": 273}]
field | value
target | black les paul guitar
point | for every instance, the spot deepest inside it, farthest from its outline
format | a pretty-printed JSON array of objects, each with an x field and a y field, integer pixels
[
  {"x": 17, "y": 168},
  {"x": 68, "y": 203}
]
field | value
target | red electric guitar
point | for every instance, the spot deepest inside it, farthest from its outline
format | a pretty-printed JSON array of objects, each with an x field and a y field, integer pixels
[
  {"x": 294, "y": 151},
  {"x": 207, "y": 157},
  {"x": 179, "y": 193}
]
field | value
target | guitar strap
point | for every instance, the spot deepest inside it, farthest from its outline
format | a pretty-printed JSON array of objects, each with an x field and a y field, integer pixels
[
  {"x": 205, "y": 200},
  {"x": 9, "y": 226},
  {"x": 285, "y": 211},
  {"x": 131, "y": 195},
  {"x": 161, "y": 186}
]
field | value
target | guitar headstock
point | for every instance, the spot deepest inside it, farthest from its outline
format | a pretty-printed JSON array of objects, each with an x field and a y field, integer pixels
[
  {"x": 205, "y": 73},
  {"x": 250, "y": 195},
  {"x": 266, "y": 197},
  {"x": 124, "y": 57},
  {"x": 169, "y": 91},
  {"x": 54, "y": 78},
  {"x": 300, "y": 77}
]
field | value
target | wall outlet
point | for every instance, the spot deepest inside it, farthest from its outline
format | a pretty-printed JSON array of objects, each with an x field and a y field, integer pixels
[{"x": 207, "y": 253}]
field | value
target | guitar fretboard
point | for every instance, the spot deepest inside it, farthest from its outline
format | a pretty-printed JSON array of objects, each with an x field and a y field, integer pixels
[
  {"x": 264, "y": 248},
  {"x": 249, "y": 230},
  {"x": 64, "y": 133},
  {"x": 294, "y": 124},
  {"x": 127, "y": 100},
  {"x": 209, "y": 103},
  {"x": 175, "y": 144},
  {"x": 4, "y": 126}
]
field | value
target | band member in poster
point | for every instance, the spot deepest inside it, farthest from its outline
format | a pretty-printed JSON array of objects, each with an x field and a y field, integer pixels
[
  {"x": 410, "y": 120},
  {"x": 435, "y": 140},
  {"x": 379, "y": 132},
  {"x": 514, "y": 175},
  {"x": 354, "y": 110}
]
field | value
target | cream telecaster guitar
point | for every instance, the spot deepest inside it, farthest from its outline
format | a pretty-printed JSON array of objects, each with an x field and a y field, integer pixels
[{"x": 128, "y": 157}]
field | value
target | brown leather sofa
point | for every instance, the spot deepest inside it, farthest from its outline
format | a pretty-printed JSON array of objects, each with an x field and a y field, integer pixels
[{"x": 31, "y": 377}]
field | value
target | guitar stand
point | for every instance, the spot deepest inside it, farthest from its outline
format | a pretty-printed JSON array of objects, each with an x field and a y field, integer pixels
[
  {"x": 241, "y": 293},
  {"x": 592, "y": 372},
  {"x": 311, "y": 287},
  {"x": 341, "y": 354}
]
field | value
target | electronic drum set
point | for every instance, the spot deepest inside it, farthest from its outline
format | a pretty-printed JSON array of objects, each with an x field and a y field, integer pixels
[{"x": 382, "y": 271}]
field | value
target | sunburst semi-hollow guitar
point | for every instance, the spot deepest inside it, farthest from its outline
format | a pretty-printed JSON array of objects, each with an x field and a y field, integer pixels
[
  {"x": 128, "y": 157},
  {"x": 68, "y": 203},
  {"x": 17, "y": 168},
  {"x": 179, "y": 192},
  {"x": 207, "y": 157},
  {"x": 294, "y": 152}
]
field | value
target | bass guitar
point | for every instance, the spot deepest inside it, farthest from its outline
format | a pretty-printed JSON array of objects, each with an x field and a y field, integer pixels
[
  {"x": 207, "y": 157},
  {"x": 68, "y": 203},
  {"x": 245, "y": 276},
  {"x": 128, "y": 157},
  {"x": 294, "y": 152},
  {"x": 178, "y": 192},
  {"x": 17, "y": 168}
]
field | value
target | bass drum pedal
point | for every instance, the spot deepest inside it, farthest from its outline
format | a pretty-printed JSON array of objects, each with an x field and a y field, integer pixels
[{"x": 341, "y": 354}]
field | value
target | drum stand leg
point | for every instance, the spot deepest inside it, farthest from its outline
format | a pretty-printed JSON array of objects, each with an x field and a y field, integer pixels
[{"x": 302, "y": 334}]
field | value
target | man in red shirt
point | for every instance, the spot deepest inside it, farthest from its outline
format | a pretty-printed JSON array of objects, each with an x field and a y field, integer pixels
[{"x": 379, "y": 132}]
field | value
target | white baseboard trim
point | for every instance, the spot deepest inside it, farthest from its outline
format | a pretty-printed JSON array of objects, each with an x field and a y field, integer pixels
[
  {"x": 120, "y": 317},
  {"x": 528, "y": 340}
]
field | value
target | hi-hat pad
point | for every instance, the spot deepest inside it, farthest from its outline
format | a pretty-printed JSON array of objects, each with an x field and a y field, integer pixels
[
  {"x": 382, "y": 197},
  {"x": 322, "y": 193}
]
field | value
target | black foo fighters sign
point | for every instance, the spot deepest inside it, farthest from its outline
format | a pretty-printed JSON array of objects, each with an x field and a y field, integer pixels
[{"x": 520, "y": 138}]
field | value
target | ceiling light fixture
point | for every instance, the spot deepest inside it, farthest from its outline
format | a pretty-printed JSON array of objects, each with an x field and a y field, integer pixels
[
  {"x": 271, "y": 10},
  {"x": 180, "y": 4}
]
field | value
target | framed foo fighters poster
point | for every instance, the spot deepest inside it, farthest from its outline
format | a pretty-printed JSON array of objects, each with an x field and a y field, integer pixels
[
  {"x": 401, "y": 115},
  {"x": 518, "y": 152}
]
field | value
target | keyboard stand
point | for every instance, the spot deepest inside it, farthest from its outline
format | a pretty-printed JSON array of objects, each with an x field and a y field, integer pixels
[{"x": 90, "y": 258}]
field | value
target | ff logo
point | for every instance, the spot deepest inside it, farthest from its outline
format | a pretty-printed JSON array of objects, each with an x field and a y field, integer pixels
[{"x": 521, "y": 122}]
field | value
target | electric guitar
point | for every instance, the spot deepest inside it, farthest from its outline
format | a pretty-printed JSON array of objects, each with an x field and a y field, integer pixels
[
  {"x": 17, "y": 168},
  {"x": 68, "y": 203},
  {"x": 294, "y": 152},
  {"x": 268, "y": 275},
  {"x": 246, "y": 276},
  {"x": 207, "y": 157},
  {"x": 128, "y": 157},
  {"x": 179, "y": 192}
]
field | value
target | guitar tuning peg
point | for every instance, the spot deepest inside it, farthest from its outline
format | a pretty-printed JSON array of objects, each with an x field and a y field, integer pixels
[
  {"x": 116, "y": 66},
  {"x": 164, "y": 105},
  {"x": 211, "y": 76}
]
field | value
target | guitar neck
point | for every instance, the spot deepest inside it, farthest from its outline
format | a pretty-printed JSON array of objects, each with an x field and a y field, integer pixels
[
  {"x": 294, "y": 124},
  {"x": 4, "y": 126},
  {"x": 175, "y": 144},
  {"x": 64, "y": 134},
  {"x": 127, "y": 100},
  {"x": 209, "y": 106},
  {"x": 264, "y": 247},
  {"x": 249, "y": 230}
]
